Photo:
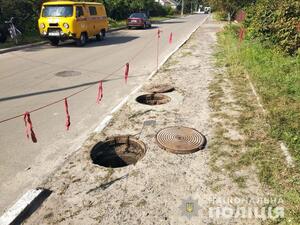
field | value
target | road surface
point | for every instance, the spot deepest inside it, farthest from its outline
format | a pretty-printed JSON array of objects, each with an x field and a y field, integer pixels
[{"x": 34, "y": 77}]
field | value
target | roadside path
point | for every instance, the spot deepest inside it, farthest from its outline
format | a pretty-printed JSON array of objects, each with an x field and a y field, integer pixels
[{"x": 157, "y": 189}]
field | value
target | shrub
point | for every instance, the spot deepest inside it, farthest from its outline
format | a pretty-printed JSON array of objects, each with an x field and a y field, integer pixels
[{"x": 275, "y": 22}]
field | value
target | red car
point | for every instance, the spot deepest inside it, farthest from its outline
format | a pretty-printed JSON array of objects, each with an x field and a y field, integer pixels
[{"x": 138, "y": 20}]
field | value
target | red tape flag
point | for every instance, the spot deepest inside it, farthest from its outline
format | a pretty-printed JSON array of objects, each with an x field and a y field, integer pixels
[
  {"x": 100, "y": 92},
  {"x": 242, "y": 34},
  {"x": 158, "y": 33},
  {"x": 171, "y": 38},
  {"x": 298, "y": 27},
  {"x": 29, "y": 128},
  {"x": 68, "y": 121},
  {"x": 126, "y": 72}
]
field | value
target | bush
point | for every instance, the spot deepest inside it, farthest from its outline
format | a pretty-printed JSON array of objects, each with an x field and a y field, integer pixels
[{"x": 275, "y": 22}]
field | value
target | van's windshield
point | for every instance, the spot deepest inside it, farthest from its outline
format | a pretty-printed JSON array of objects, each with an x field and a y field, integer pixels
[{"x": 57, "y": 11}]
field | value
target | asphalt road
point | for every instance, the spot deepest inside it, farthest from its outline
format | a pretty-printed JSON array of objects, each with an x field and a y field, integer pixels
[{"x": 33, "y": 77}]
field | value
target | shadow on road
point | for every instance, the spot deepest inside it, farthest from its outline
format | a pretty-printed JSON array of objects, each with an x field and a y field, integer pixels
[
  {"x": 168, "y": 22},
  {"x": 65, "y": 88},
  {"x": 111, "y": 40}
]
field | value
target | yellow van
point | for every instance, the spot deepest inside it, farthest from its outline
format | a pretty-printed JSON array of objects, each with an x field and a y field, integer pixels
[{"x": 62, "y": 20}]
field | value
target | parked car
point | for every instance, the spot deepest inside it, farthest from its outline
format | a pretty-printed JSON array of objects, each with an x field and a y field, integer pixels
[
  {"x": 138, "y": 20},
  {"x": 62, "y": 20},
  {"x": 207, "y": 10}
]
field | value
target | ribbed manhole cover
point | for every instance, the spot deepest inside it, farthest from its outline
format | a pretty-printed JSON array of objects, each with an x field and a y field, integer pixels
[
  {"x": 180, "y": 140},
  {"x": 68, "y": 73},
  {"x": 160, "y": 88},
  {"x": 153, "y": 99},
  {"x": 118, "y": 152}
]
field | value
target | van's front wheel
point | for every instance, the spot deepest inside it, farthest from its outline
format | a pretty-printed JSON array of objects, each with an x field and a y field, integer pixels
[
  {"x": 54, "y": 42},
  {"x": 82, "y": 40}
]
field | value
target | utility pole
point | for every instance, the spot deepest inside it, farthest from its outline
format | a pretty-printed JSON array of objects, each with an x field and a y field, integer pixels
[{"x": 182, "y": 7}]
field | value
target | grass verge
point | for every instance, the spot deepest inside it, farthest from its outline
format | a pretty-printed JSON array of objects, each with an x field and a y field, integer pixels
[
  {"x": 25, "y": 39},
  {"x": 277, "y": 79}
]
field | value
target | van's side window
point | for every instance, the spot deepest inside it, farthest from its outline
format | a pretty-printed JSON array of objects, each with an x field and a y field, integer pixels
[
  {"x": 93, "y": 10},
  {"x": 79, "y": 11}
]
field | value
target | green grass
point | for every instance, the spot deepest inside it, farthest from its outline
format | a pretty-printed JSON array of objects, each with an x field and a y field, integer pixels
[
  {"x": 116, "y": 23},
  {"x": 23, "y": 40},
  {"x": 276, "y": 78}
]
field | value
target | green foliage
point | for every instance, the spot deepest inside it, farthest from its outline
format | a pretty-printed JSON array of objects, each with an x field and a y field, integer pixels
[
  {"x": 229, "y": 6},
  {"x": 121, "y": 9},
  {"x": 26, "y": 12},
  {"x": 275, "y": 23}
]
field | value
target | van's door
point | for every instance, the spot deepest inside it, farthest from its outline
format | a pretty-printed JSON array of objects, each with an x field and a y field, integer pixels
[
  {"x": 92, "y": 20},
  {"x": 81, "y": 20},
  {"x": 102, "y": 18}
]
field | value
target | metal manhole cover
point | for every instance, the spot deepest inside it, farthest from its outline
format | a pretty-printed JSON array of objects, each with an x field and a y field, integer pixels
[
  {"x": 160, "y": 88},
  {"x": 180, "y": 140},
  {"x": 68, "y": 73}
]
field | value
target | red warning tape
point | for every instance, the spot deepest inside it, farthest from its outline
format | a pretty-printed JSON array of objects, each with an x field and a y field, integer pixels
[
  {"x": 158, "y": 33},
  {"x": 298, "y": 27},
  {"x": 100, "y": 92},
  {"x": 26, "y": 116},
  {"x": 29, "y": 128},
  {"x": 68, "y": 121},
  {"x": 242, "y": 34},
  {"x": 126, "y": 72},
  {"x": 171, "y": 38}
]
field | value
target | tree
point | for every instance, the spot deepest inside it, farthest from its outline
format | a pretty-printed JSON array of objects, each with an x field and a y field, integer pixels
[{"x": 230, "y": 7}]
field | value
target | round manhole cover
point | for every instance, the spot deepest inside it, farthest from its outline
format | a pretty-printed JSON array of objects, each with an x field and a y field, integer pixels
[
  {"x": 153, "y": 99},
  {"x": 118, "y": 152},
  {"x": 180, "y": 140},
  {"x": 160, "y": 88},
  {"x": 68, "y": 73}
]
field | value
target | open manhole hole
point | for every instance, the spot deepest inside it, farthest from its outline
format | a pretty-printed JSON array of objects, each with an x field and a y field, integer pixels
[
  {"x": 118, "y": 152},
  {"x": 160, "y": 88},
  {"x": 180, "y": 140},
  {"x": 153, "y": 99},
  {"x": 68, "y": 73}
]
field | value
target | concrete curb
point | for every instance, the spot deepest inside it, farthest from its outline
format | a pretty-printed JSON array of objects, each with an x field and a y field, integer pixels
[
  {"x": 17, "y": 48},
  {"x": 32, "y": 199},
  {"x": 24, "y": 207}
]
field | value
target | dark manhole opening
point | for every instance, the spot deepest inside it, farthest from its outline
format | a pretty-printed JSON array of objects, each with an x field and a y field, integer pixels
[
  {"x": 118, "y": 152},
  {"x": 161, "y": 88},
  {"x": 180, "y": 140},
  {"x": 153, "y": 99},
  {"x": 68, "y": 73}
]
